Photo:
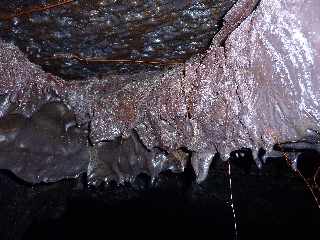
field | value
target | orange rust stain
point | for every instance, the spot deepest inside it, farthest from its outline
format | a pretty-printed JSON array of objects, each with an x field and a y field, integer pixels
[{"x": 127, "y": 110}]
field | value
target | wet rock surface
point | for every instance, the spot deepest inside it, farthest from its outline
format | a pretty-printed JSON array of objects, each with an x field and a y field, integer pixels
[
  {"x": 207, "y": 105},
  {"x": 45, "y": 147},
  {"x": 122, "y": 160},
  {"x": 270, "y": 202},
  {"x": 149, "y": 30},
  {"x": 49, "y": 146}
]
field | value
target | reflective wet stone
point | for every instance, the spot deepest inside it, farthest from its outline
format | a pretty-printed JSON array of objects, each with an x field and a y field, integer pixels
[
  {"x": 39, "y": 149},
  {"x": 112, "y": 30}
]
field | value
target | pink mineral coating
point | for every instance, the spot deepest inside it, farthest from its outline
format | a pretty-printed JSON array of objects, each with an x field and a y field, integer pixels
[
  {"x": 261, "y": 86},
  {"x": 258, "y": 84},
  {"x": 23, "y": 85},
  {"x": 274, "y": 61}
]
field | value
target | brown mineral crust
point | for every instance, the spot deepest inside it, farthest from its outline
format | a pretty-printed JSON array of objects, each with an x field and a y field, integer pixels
[
  {"x": 258, "y": 87},
  {"x": 273, "y": 56},
  {"x": 250, "y": 92},
  {"x": 23, "y": 85},
  {"x": 170, "y": 104},
  {"x": 237, "y": 14},
  {"x": 209, "y": 113}
]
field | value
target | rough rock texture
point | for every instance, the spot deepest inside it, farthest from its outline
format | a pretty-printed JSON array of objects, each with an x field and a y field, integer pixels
[
  {"x": 274, "y": 59},
  {"x": 257, "y": 85},
  {"x": 259, "y": 88},
  {"x": 24, "y": 87}
]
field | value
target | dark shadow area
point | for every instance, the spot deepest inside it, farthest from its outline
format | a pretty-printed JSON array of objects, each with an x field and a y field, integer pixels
[{"x": 270, "y": 203}]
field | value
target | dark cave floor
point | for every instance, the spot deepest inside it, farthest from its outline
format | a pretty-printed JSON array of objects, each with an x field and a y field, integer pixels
[{"x": 269, "y": 203}]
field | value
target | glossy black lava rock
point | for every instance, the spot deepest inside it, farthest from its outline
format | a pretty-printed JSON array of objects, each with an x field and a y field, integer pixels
[{"x": 149, "y": 30}]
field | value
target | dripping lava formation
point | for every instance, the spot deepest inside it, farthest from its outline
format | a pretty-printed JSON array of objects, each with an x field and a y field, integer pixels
[{"x": 256, "y": 87}]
